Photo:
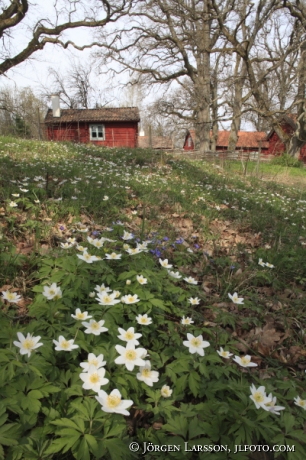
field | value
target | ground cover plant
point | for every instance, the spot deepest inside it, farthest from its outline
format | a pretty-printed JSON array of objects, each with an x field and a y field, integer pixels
[{"x": 147, "y": 301}]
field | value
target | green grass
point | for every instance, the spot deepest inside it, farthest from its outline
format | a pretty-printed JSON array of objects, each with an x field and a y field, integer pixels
[{"x": 211, "y": 223}]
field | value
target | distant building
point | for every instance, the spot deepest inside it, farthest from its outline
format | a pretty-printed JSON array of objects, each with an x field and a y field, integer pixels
[
  {"x": 248, "y": 141},
  {"x": 111, "y": 127}
]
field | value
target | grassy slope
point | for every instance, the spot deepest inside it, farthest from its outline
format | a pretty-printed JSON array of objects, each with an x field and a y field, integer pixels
[{"x": 227, "y": 221}]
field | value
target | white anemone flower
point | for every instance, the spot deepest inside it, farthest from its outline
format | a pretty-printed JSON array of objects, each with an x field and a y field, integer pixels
[
  {"x": 260, "y": 262},
  {"x": 234, "y": 298},
  {"x": 133, "y": 251},
  {"x": 13, "y": 204},
  {"x": 259, "y": 397},
  {"x": 224, "y": 354},
  {"x": 93, "y": 360},
  {"x": 130, "y": 356},
  {"x": 272, "y": 407},
  {"x": 81, "y": 248},
  {"x": 196, "y": 344},
  {"x": 94, "y": 327},
  {"x": 127, "y": 236},
  {"x": 66, "y": 245},
  {"x": 194, "y": 300},
  {"x": 129, "y": 336},
  {"x": 113, "y": 256},
  {"x": 166, "y": 391},
  {"x": 102, "y": 288},
  {"x": 11, "y": 297},
  {"x": 87, "y": 257},
  {"x": 164, "y": 263},
  {"x": 186, "y": 321},
  {"x": 128, "y": 299},
  {"x": 146, "y": 375},
  {"x": 191, "y": 280},
  {"x": 300, "y": 402},
  {"x": 79, "y": 315},
  {"x": 269, "y": 265},
  {"x": 97, "y": 243},
  {"x": 141, "y": 279},
  {"x": 244, "y": 361},
  {"x": 175, "y": 275},
  {"x": 105, "y": 298},
  {"x": 113, "y": 403},
  {"x": 27, "y": 344},
  {"x": 64, "y": 345},
  {"x": 52, "y": 292},
  {"x": 94, "y": 378},
  {"x": 144, "y": 320}
]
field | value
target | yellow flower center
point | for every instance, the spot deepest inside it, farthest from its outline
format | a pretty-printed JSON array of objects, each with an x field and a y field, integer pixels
[
  {"x": 245, "y": 360},
  {"x": 130, "y": 298},
  {"x": 131, "y": 355},
  {"x": 107, "y": 299},
  {"x": 93, "y": 362},
  {"x": 195, "y": 342},
  {"x": 146, "y": 373},
  {"x": 302, "y": 403},
  {"x": 95, "y": 325},
  {"x": 10, "y": 295},
  {"x": 65, "y": 344},
  {"x": 258, "y": 397},
  {"x": 224, "y": 354},
  {"x": 28, "y": 344},
  {"x": 94, "y": 378},
  {"x": 129, "y": 335},
  {"x": 52, "y": 292},
  {"x": 80, "y": 315},
  {"x": 113, "y": 401}
]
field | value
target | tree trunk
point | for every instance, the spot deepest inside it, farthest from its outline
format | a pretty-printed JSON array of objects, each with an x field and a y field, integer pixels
[
  {"x": 299, "y": 136},
  {"x": 202, "y": 83},
  {"x": 238, "y": 90}
]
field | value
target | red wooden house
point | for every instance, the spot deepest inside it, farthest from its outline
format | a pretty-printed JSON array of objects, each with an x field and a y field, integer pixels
[
  {"x": 276, "y": 146},
  {"x": 248, "y": 141},
  {"x": 111, "y": 127}
]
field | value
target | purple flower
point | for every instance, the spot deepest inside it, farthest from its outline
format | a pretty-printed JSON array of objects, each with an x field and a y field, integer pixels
[
  {"x": 96, "y": 233},
  {"x": 179, "y": 241},
  {"x": 61, "y": 227},
  {"x": 196, "y": 246},
  {"x": 165, "y": 238}
]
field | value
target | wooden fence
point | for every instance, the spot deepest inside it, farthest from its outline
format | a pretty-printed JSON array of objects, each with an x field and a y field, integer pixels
[{"x": 222, "y": 156}]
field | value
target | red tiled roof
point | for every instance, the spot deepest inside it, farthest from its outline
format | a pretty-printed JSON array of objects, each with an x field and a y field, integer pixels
[
  {"x": 246, "y": 139},
  {"x": 94, "y": 115},
  {"x": 158, "y": 142}
]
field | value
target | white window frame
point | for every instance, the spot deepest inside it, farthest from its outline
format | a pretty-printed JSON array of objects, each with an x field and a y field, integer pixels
[
  {"x": 189, "y": 141},
  {"x": 95, "y": 128}
]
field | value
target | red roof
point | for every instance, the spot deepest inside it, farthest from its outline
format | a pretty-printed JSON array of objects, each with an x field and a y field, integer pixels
[
  {"x": 246, "y": 139},
  {"x": 94, "y": 115}
]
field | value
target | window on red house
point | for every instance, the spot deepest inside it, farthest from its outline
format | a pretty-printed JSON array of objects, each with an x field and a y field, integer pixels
[
  {"x": 189, "y": 142},
  {"x": 97, "y": 132}
]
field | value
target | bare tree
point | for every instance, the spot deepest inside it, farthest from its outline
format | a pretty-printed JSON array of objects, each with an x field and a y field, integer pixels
[
  {"x": 21, "y": 112},
  {"x": 257, "y": 16},
  {"x": 67, "y": 15},
  {"x": 168, "y": 41}
]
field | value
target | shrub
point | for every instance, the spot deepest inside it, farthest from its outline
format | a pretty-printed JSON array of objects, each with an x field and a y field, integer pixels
[{"x": 287, "y": 160}]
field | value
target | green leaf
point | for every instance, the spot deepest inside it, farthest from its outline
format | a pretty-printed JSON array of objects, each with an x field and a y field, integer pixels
[
  {"x": 178, "y": 425},
  {"x": 194, "y": 383},
  {"x": 83, "y": 451},
  {"x": 66, "y": 422}
]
